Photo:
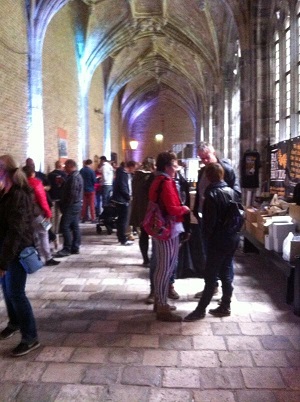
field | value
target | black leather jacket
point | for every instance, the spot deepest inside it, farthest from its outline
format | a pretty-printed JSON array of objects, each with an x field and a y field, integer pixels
[
  {"x": 217, "y": 197},
  {"x": 229, "y": 177}
]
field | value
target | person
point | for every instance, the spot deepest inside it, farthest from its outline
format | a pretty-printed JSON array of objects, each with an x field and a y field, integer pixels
[
  {"x": 221, "y": 244},
  {"x": 107, "y": 174},
  {"x": 16, "y": 233},
  {"x": 43, "y": 212},
  {"x": 121, "y": 198},
  {"x": 70, "y": 206},
  {"x": 98, "y": 191},
  {"x": 89, "y": 180},
  {"x": 38, "y": 174},
  {"x": 183, "y": 192},
  {"x": 56, "y": 178},
  {"x": 140, "y": 187},
  {"x": 207, "y": 154},
  {"x": 163, "y": 190}
]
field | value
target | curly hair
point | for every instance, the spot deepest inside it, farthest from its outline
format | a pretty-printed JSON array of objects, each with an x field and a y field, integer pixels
[{"x": 164, "y": 159}]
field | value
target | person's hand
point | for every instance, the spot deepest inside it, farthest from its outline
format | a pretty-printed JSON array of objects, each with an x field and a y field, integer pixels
[
  {"x": 2, "y": 273},
  {"x": 187, "y": 209}
]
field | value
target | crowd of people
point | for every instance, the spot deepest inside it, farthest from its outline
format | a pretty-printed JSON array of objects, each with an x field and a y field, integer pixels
[{"x": 68, "y": 196}]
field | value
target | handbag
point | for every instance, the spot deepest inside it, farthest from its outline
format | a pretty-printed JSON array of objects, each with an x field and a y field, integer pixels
[
  {"x": 155, "y": 223},
  {"x": 30, "y": 260}
]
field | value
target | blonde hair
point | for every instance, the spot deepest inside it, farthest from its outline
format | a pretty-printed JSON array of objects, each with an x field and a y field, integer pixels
[{"x": 16, "y": 175}]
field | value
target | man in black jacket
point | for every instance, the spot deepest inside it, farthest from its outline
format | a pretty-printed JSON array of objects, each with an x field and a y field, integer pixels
[
  {"x": 70, "y": 205},
  {"x": 207, "y": 154},
  {"x": 221, "y": 242},
  {"x": 121, "y": 197}
]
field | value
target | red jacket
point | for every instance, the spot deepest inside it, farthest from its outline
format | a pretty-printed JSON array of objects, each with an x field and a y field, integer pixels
[
  {"x": 168, "y": 197},
  {"x": 40, "y": 195}
]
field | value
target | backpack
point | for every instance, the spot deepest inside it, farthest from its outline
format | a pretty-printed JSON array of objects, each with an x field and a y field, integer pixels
[
  {"x": 155, "y": 223},
  {"x": 234, "y": 218}
]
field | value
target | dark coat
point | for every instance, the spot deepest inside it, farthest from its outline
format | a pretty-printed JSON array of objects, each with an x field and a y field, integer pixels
[
  {"x": 217, "y": 198},
  {"x": 140, "y": 188},
  {"x": 121, "y": 193},
  {"x": 16, "y": 223},
  {"x": 229, "y": 177}
]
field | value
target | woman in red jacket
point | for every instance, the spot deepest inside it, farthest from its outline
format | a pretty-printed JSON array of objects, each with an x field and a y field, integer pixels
[
  {"x": 163, "y": 190},
  {"x": 41, "y": 235}
]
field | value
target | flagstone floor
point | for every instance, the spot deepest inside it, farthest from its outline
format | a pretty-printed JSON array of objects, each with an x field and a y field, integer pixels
[{"x": 101, "y": 342}]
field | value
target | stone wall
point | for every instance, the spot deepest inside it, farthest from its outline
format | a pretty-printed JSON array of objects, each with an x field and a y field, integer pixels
[
  {"x": 13, "y": 79},
  {"x": 61, "y": 99}
]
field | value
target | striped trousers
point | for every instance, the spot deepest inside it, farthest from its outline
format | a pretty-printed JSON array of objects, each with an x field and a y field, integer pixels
[{"x": 166, "y": 260}]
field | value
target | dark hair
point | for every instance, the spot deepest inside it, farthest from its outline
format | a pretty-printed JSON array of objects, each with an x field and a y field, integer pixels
[
  {"x": 28, "y": 170},
  {"x": 131, "y": 164},
  {"x": 71, "y": 163},
  {"x": 88, "y": 162},
  {"x": 103, "y": 158},
  {"x": 164, "y": 159},
  {"x": 214, "y": 172}
]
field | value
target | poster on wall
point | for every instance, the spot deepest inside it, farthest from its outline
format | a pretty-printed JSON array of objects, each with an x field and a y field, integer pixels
[
  {"x": 285, "y": 167},
  {"x": 62, "y": 144},
  {"x": 279, "y": 157}
]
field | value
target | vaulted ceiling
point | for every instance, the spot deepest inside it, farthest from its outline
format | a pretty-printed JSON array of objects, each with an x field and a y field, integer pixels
[{"x": 163, "y": 51}]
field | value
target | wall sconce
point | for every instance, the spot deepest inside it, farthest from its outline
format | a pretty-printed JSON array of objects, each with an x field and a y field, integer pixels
[
  {"x": 133, "y": 144},
  {"x": 99, "y": 111},
  {"x": 159, "y": 137}
]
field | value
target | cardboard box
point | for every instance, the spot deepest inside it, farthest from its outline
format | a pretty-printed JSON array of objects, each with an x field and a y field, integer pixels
[
  {"x": 279, "y": 230},
  {"x": 259, "y": 235},
  {"x": 277, "y": 244},
  {"x": 251, "y": 215},
  {"x": 295, "y": 248},
  {"x": 294, "y": 212},
  {"x": 269, "y": 245}
]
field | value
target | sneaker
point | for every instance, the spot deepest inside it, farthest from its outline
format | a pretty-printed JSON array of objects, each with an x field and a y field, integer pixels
[
  {"x": 75, "y": 252},
  {"x": 52, "y": 262},
  {"x": 220, "y": 311},
  {"x": 150, "y": 299},
  {"x": 62, "y": 253},
  {"x": 8, "y": 332},
  {"x": 194, "y": 316},
  {"x": 172, "y": 293},
  {"x": 23, "y": 348},
  {"x": 127, "y": 243},
  {"x": 199, "y": 294}
]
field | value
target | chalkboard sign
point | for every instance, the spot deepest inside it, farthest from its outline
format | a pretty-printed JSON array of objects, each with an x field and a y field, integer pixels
[{"x": 285, "y": 167}]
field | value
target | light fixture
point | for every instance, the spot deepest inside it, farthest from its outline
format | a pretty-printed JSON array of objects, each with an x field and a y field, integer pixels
[
  {"x": 159, "y": 137},
  {"x": 133, "y": 144},
  {"x": 277, "y": 12}
]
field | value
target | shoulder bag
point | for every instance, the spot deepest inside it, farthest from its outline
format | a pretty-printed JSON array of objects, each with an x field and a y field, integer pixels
[
  {"x": 155, "y": 223},
  {"x": 30, "y": 260}
]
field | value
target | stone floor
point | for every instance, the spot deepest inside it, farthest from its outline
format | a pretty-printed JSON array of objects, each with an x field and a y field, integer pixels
[{"x": 101, "y": 342}]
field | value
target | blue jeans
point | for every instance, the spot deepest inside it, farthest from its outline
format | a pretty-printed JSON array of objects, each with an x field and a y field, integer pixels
[
  {"x": 106, "y": 194},
  {"x": 70, "y": 227},
  {"x": 219, "y": 263},
  {"x": 18, "y": 307}
]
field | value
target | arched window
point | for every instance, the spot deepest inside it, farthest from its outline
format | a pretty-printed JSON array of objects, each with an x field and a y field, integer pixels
[
  {"x": 277, "y": 85},
  {"x": 298, "y": 65},
  {"x": 287, "y": 37}
]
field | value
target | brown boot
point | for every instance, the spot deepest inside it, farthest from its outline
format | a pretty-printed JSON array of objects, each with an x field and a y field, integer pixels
[
  {"x": 171, "y": 307},
  {"x": 163, "y": 313},
  {"x": 172, "y": 293}
]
